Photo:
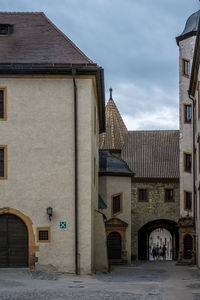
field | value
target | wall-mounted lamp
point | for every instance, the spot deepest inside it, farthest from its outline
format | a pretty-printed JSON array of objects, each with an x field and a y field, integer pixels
[{"x": 49, "y": 212}]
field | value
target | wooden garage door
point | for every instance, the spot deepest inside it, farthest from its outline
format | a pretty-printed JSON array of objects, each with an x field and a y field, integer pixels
[{"x": 13, "y": 242}]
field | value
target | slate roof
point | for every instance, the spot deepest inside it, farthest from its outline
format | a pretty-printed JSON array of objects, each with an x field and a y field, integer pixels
[
  {"x": 153, "y": 154},
  {"x": 36, "y": 46},
  {"x": 111, "y": 165},
  {"x": 116, "y": 132},
  {"x": 190, "y": 27},
  {"x": 35, "y": 39},
  {"x": 101, "y": 203}
]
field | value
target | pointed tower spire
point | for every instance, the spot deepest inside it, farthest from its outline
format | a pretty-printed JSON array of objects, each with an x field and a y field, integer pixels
[
  {"x": 116, "y": 132},
  {"x": 110, "y": 89}
]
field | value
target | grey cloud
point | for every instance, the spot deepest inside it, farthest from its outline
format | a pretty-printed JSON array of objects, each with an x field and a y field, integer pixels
[{"x": 133, "y": 40}]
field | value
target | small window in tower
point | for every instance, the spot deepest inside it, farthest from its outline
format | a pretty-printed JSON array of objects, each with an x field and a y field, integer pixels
[
  {"x": 3, "y": 104},
  {"x": 186, "y": 67},
  {"x": 5, "y": 29},
  {"x": 188, "y": 200},
  {"x": 43, "y": 234},
  {"x": 187, "y": 113},
  {"x": 169, "y": 197},
  {"x": 116, "y": 203},
  {"x": 187, "y": 162},
  {"x": 3, "y": 162},
  {"x": 142, "y": 195}
]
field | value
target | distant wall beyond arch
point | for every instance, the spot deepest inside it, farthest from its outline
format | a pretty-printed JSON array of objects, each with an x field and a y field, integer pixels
[
  {"x": 145, "y": 231},
  {"x": 32, "y": 248}
]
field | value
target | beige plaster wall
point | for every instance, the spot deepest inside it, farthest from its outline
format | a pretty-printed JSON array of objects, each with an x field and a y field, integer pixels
[
  {"x": 186, "y": 50},
  {"x": 100, "y": 257},
  {"x": 40, "y": 138},
  {"x": 110, "y": 185},
  {"x": 155, "y": 208}
]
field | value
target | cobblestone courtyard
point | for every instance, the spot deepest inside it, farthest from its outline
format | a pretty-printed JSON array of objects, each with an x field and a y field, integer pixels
[{"x": 150, "y": 280}]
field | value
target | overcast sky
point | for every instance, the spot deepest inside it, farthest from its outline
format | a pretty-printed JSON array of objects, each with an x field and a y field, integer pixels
[{"x": 134, "y": 41}]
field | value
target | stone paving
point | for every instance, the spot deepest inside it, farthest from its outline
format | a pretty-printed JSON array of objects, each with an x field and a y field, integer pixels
[{"x": 142, "y": 281}]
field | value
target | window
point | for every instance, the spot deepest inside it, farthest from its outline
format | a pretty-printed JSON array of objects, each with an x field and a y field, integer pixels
[
  {"x": 5, "y": 29},
  {"x": 186, "y": 67},
  {"x": 3, "y": 162},
  {"x": 187, "y": 113},
  {"x": 188, "y": 200},
  {"x": 142, "y": 195},
  {"x": 169, "y": 195},
  {"x": 43, "y": 234},
  {"x": 116, "y": 203},
  {"x": 3, "y": 115},
  {"x": 187, "y": 162}
]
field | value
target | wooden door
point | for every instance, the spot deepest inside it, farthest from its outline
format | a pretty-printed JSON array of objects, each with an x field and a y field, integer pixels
[
  {"x": 114, "y": 245},
  {"x": 188, "y": 247},
  {"x": 13, "y": 242}
]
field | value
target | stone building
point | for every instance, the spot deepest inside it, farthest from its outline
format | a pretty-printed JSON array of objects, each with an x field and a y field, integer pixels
[
  {"x": 189, "y": 147},
  {"x": 153, "y": 156},
  {"x": 51, "y": 113}
]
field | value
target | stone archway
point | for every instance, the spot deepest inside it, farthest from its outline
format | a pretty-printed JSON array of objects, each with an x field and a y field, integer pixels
[
  {"x": 32, "y": 248},
  {"x": 145, "y": 231}
]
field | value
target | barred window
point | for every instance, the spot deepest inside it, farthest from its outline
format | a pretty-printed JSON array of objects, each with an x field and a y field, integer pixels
[{"x": 43, "y": 234}]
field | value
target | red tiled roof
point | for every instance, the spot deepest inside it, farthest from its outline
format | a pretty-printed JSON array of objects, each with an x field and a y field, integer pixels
[{"x": 153, "y": 154}]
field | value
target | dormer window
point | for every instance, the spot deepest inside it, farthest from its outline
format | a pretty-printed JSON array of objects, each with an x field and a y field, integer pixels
[{"x": 5, "y": 29}]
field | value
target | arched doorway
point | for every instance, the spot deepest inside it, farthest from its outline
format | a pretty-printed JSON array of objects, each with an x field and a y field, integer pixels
[
  {"x": 147, "y": 229},
  {"x": 188, "y": 246},
  {"x": 13, "y": 242},
  {"x": 158, "y": 238},
  {"x": 114, "y": 245}
]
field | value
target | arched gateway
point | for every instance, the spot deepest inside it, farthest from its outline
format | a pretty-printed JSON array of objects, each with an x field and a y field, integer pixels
[
  {"x": 13, "y": 242},
  {"x": 17, "y": 239},
  {"x": 147, "y": 229}
]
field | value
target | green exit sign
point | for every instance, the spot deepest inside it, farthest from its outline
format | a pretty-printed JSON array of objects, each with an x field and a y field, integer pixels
[{"x": 63, "y": 225}]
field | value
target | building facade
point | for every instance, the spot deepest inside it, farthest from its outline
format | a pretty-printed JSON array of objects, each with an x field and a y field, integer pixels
[
  {"x": 189, "y": 150},
  {"x": 154, "y": 198},
  {"x": 51, "y": 113}
]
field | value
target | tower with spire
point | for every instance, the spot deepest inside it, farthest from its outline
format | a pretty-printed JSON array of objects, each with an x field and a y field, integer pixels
[
  {"x": 186, "y": 42},
  {"x": 116, "y": 133}
]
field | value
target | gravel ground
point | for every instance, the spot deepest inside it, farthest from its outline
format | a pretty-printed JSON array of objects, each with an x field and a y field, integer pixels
[{"x": 141, "y": 281}]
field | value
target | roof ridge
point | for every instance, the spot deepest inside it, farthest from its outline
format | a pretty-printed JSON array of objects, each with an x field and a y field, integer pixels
[
  {"x": 21, "y": 12},
  {"x": 159, "y": 130},
  {"x": 66, "y": 38}
]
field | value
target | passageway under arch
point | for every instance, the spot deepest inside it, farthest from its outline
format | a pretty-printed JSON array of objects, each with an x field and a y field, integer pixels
[{"x": 145, "y": 232}]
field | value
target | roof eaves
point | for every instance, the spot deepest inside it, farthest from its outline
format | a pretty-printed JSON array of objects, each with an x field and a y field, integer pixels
[{"x": 185, "y": 36}]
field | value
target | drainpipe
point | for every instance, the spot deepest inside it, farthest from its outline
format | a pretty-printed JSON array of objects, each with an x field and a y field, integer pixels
[
  {"x": 194, "y": 189},
  {"x": 75, "y": 172}
]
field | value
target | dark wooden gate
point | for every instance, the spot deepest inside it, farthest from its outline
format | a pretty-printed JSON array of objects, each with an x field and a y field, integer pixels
[
  {"x": 114, "y": 245},
  {"x": 188, "y": 247},
  {"x": 13, "y": 242}
]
